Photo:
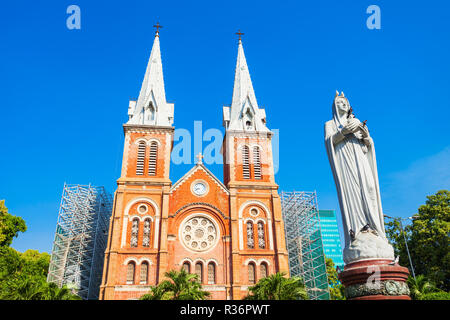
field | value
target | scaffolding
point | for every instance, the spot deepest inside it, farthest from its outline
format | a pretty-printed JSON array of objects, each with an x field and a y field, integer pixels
[
  {"x": 304, "y": 242},
  {"x": 80, "y": 239}
]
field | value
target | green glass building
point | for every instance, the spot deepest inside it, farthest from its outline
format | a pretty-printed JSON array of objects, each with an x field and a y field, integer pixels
[{"x": 330, "y": 237}]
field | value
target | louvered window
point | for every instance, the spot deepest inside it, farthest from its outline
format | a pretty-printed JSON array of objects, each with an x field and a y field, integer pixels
[
  {"x": 130, "y": 272},
  {"x": 199, "y": 271},
  {"x": 144, "y": 272},
  {"x": 140, "y": 158},
  {"x": 257, "y": 163},
  {"x": 245, "y": 163},
  {"x": 152, "y": 159},
  {"x": 251, "y": 273},
  {"x": 211, "y": 273}
]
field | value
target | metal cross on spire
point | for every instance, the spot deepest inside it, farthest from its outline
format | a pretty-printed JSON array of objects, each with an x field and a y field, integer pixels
[
  {"x": 240, "y": 34},
  {"x": 157, "y": 26}
]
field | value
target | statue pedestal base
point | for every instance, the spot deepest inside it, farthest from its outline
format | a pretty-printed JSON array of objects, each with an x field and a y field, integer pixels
[{"x": 375, "y": 280}]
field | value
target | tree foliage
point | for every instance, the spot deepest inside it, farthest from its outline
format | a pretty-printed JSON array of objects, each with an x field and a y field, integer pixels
[
  {"x": 179, "y": 285},
  {"x": 10, "y": 226},
  {"x": 23, "y": 276},
  {"x": 427, "y": 238},
  {"x": 278, "y": 287},
  {"x": 420, "y": 286},
  {"x": 334, "y": 285}
]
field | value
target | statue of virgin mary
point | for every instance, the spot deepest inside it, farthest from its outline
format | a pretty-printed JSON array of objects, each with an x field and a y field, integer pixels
[{"x": 351, "y": 153}]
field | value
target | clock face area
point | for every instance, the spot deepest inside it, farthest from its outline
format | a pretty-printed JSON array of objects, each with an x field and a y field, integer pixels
[{"x": 200, "y": 188}]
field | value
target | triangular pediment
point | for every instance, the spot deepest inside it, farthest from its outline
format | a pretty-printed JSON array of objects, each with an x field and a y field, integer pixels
[{"x": 193, "y": 171}]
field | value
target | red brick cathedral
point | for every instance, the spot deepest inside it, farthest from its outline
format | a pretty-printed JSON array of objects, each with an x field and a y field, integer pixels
[{"x": 230, "y": 233}]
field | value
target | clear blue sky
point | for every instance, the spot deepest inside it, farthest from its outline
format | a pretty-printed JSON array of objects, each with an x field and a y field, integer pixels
[{"x": 64, "y": 93}]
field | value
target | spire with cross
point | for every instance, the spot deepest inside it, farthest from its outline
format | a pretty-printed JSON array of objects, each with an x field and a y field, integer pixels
[
  {"x": 151, "y": 107},
  {"x": 157, "y": 26},
  {"x": 244, "y": 112},
  {"x": 240, "y": 34}
]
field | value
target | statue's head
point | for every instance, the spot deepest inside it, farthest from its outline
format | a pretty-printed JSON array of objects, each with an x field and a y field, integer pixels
[
  {"x": 341, "y": 107},
  {"x": 341, "y": 104}
]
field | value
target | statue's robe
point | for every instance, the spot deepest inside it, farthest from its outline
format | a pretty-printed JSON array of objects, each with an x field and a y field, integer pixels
[{"x": 355, "y": 174}]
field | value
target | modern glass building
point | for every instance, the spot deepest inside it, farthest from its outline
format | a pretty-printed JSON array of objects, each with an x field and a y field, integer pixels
[{"x": 330, "y": 237}]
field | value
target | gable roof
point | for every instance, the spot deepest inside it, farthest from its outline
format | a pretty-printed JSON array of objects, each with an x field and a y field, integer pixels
[{"x": 199, "y": 166}]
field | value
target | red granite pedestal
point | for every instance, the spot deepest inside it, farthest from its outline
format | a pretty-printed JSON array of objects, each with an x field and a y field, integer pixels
[{"x": 375, "y": 280}]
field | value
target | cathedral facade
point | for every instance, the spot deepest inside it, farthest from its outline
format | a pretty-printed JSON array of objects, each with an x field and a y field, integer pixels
[{"x": 230, "y": 233}]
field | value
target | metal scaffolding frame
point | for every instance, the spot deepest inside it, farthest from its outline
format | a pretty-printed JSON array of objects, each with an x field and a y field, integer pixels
[
  {"x": 304, "y": 241},
  {"x": 80, "y": 239}
]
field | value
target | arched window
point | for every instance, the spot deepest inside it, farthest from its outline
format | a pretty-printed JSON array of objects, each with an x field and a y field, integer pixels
[
  {"x": 250, "y": 235},
  {"x": 251, "y": 273},
  {"x": 153, "y": 158},
  {"x": 146, "y": 237},
  {"x": 261, "y": 235},
  {"x": 134, "y": 233},
  {"x": 130, "y": 272},
  {"x": 263, "y": 270},
  {"x": 256, "y": 163},
  {"x": 245, "y": 162},
  {"x": 199, "y": 271},
  {"x": 187, "y": 267},
  {"x": 144, "y": 272},
  {"x": 140, "y": 158},
  {"x": 211, "y": 273}
]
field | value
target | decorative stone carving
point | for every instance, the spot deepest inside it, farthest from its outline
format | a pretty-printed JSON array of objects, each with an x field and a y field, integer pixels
[
  {"x": 134, "y": 233},
  {"x": 261, "y": 236},
  {"x": 250, "y": 239},
  {"x": 385, "y": 288},
  {"x": 199, "y": 233},
  {"x": 146, "y": 238}
]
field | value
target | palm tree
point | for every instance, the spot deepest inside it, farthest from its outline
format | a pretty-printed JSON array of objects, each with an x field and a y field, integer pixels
[
  {"x": 420, "y": 286},
  {"x": 278, "y": 287},
  {"x": 180, "y": 285},
  {"x": 24, "y": 289},
  {"x": 53, "y": 292}
]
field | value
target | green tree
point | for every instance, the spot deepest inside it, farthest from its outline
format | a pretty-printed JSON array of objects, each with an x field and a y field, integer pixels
[
  {"x": 53, "y": 292},
  {"x": 179, "y": 285},
  {"x": 440, "y": 295},
  {"x": 22, "y": 288},
  {"x": 23, "y": 276},
  {"x": 10, "y": 226},
  {"x": 278, "y": 287},
  {"x": 334, "y": 285},
  {"x": 420, "y": 286},
  {"x": 428, "y": 240}
]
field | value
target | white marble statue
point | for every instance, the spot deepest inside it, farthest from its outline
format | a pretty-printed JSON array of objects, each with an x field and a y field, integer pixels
[{"x": 351, "y": 153}]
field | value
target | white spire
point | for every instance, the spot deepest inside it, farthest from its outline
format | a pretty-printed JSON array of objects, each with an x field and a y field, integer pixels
[
  {"x": 151, "y": 107},
  {"x": 244, "y": 113}
]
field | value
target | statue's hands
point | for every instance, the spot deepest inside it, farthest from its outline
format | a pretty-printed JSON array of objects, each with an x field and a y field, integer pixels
[
  {"x": 364, "y": 131},
  {"x": 351, "y": 126}
]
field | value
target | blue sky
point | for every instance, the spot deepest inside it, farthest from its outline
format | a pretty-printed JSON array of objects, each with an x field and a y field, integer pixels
[{"x": 65, "y": 92}]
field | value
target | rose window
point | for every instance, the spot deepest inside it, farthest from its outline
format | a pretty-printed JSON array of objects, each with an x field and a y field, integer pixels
[{"x": 199, "y": 233}]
